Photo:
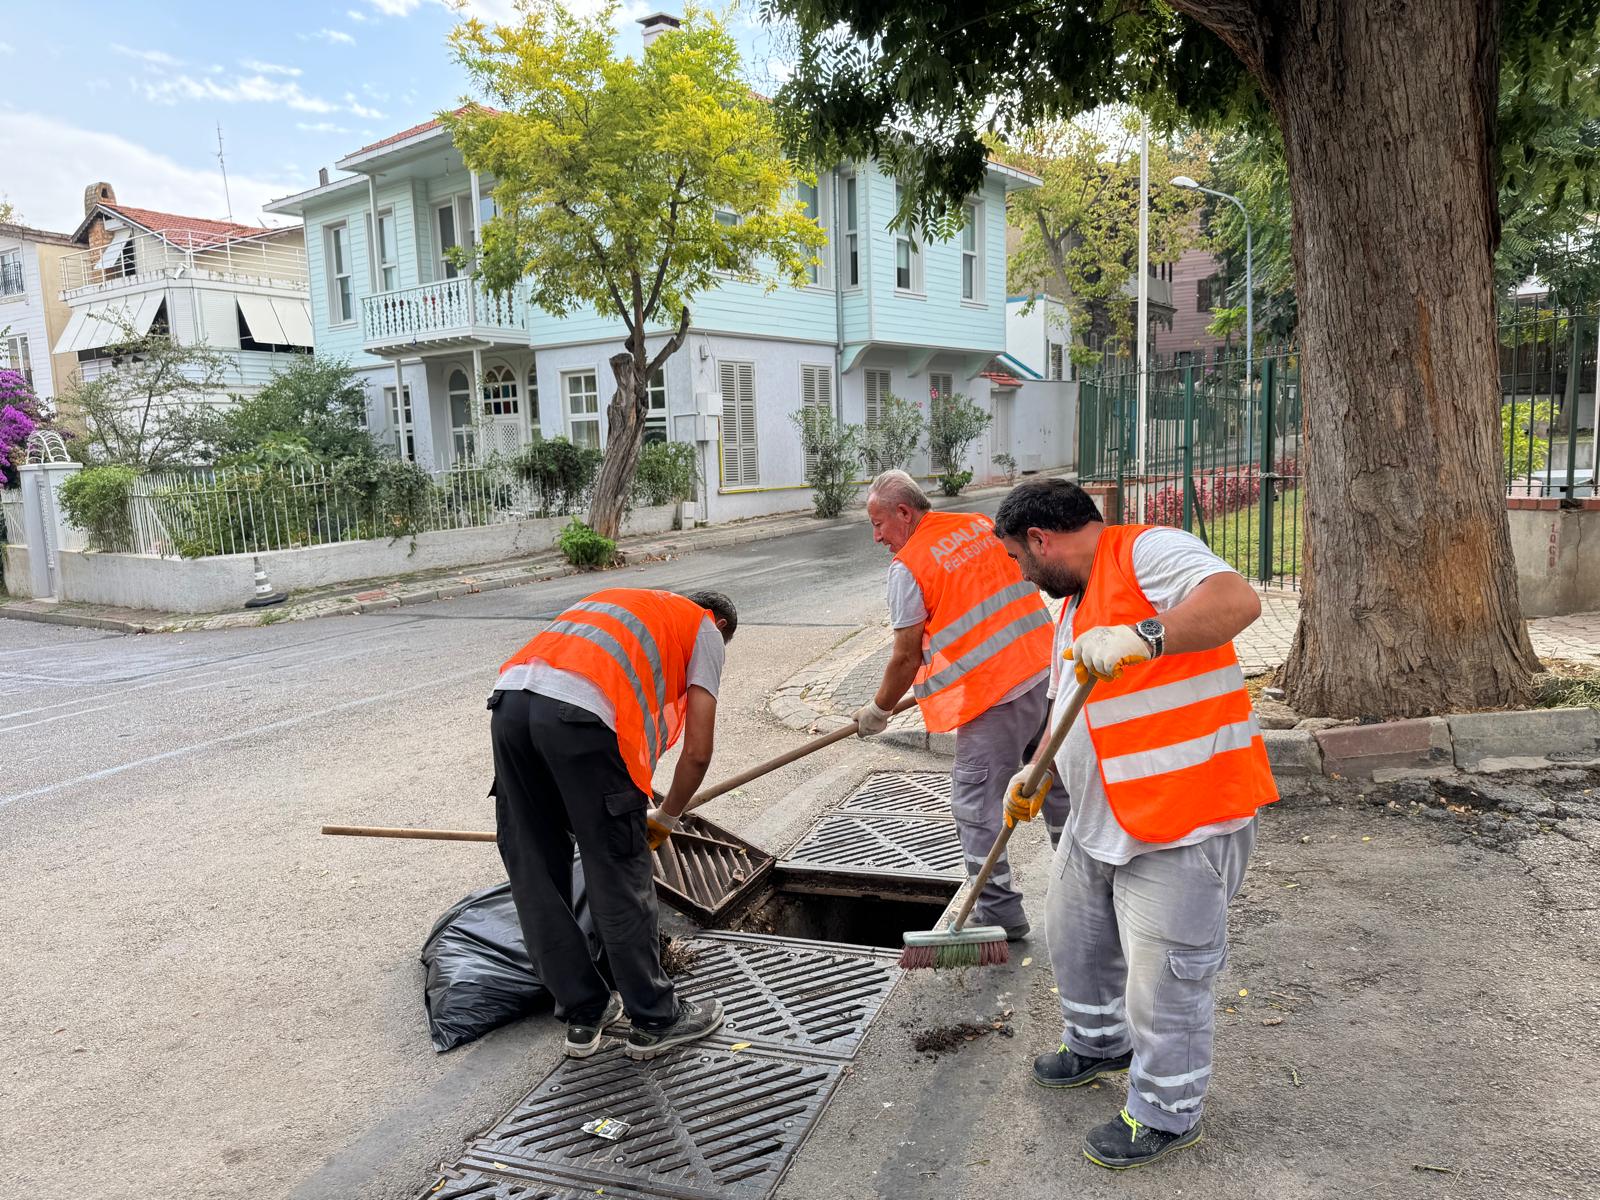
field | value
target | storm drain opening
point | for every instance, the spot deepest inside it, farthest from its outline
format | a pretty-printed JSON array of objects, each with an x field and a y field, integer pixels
[{"x": 843, "y": 909}]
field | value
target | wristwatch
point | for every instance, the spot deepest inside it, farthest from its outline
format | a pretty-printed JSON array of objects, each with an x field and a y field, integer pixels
[{"x": 1154, "y": 634}]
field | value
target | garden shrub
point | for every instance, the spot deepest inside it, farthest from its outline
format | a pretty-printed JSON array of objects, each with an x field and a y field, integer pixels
[
  {"x": 954, "y": 424},
  {"x": 584, "y": 547},
  {"x": 834, "y": 455},
  {"x": 95, "y": 499},
  {"x": 561, "y": 473},
  {"x": 895, "y": 440},
  {"x": 668, "y": 473}
]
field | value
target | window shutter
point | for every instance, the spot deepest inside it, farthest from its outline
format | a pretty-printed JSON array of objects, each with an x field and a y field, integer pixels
[
  {"x": 749, "y": 464},
  {"x": 739, "y": 458}
]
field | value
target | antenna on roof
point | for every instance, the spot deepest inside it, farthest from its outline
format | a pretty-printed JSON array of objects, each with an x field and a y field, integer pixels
[{"x": 221, "y": 162}]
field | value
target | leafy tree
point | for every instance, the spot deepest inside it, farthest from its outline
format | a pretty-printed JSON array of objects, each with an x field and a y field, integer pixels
[
  {"x": 153, "y": 408},
  {"x": 629, "y": 185},
  {"x": 1390, "y": 120},
  {"x": 834, "y": 454},
  {"x": 896, "y": 438},
  {"x": 315, "y": 404},
  {"x": 1080, "y": 227},
  {"x": 954, "y": 423},
  {"x": 8, "y": 212}
]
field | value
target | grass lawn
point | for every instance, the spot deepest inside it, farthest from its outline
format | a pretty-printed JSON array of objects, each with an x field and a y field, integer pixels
[{"x": 1236, "y": 537}]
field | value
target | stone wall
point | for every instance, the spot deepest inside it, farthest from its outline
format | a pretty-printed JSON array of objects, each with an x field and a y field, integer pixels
[{"x": 1555, "y": 574}]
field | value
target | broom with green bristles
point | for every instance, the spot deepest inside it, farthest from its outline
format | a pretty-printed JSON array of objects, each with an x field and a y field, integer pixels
[{"x": 956, "y": 945}]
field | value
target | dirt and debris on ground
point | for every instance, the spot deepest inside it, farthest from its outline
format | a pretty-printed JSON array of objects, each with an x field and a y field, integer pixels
[
  {"x": 678, "y": 954},
  {"x": 945, "y": 1038}
]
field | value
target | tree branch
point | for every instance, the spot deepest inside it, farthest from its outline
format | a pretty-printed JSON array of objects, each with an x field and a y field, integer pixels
[
  {"x": 1241, "y": 25},
  {"x": 674, "y": 343}
]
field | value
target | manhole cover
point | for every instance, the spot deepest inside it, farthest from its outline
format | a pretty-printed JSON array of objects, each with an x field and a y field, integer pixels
[
  {"x": 867, "y": 844},
  {"x": 902, "y": 793},
  {"x": 785, "y": 994},
  {"x": 702, "y": 870},
  {"x": 475, "y": 1185},
  {"x": 703, "y": 1124}
]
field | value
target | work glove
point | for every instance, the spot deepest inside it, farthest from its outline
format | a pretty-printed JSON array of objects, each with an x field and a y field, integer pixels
[
  {"x": 658, "y": 827},
  {"x": 871, "y": 719},
  {"x": 1022, "y": 807},
  {"x": 1105, "y": 650}
]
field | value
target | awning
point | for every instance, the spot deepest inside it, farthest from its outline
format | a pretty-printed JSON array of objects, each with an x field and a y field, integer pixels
[
  {"x": 108, "y": 322},
  {"x": 113, "y": 251},
  {"x": 277, "y": 320}
]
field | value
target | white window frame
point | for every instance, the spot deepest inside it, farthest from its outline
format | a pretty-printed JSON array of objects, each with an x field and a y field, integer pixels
[
  {"x": 1055, "y": 354},
  {"x": 655, "y": 417},
  {"x": 852, "y": 232},
  {"x": 336, "y": 260},
  {"x": 973, "y": 292},
  {"x": 820, "y": 274},
  {"x": 533, "y": 399},
  {"x": 459, "y": 205},
  {"x": 11, "y": 270},
  {"x": 589, "y": 416},
  {"x": 816, "y": 391},
  {"x": 502, "y": 394},
  {"x": 17, "y": 357},
  {"x": 914, "y": 285},
  {"x": 463, "y": 437},
  {"x": 739, "y": 457},
  {"x": 387, "y": 254},
  {"x": 402, "y": 425}
]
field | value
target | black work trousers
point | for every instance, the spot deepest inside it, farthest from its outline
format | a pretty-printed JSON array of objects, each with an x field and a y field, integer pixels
[{"x": 560, "y": 776}]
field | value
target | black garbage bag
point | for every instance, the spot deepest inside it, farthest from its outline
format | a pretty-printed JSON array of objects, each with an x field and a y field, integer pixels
[{"x": 479, "y": 976}]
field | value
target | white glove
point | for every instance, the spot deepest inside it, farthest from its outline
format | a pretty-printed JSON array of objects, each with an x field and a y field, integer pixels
[
  {"x": 659, "y": 826},
  {"x": 1105, "y": 650},
  {"x": 871, "y": 719}
]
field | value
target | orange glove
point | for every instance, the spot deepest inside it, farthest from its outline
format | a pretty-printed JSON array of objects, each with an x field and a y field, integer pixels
[
  {"x": 1104, "y": 650},
  {"x": 1022, "y": 807},
  {"x": 658, "y": 827}
]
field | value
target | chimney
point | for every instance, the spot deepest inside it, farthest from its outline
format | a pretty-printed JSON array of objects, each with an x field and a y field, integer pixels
[
  {"x": 655, "y": 25},
  {"x": 97, "y": 193},
  {"x": 322, "y": 176}
]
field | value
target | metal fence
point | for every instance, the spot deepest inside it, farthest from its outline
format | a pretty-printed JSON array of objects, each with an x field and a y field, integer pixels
[
  {"x": 1219, "y": 455},
  {"x": 218, "y": 511},
  {"x": 1547, "y": 405}
]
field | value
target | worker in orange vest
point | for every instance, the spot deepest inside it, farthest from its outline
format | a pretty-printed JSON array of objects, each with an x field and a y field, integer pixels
[
  {"x": 1167, "y": 768},
  {"x": 582, "y": 714},
  {"x": 972, "y": 641}
]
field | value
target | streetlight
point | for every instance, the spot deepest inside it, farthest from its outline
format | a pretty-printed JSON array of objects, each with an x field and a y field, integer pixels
[{"x": 1183, "y": 181}]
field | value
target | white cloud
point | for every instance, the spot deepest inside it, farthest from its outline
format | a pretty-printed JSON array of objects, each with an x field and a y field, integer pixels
[
  {"x": 247, "y": 89},
  {"x": 355, "y": 15},
  {"x": 50, "y": 161},
  {"x": 320, "y": 127},
  {"x": 396, "y": 8},
  {"x": 266, "y": 68},
  {"x": 155, "y": 58},
  {"x": 361, "y": 110},
  {"x": 7, "y": 48},
  {"x": 334, "y": 37}
]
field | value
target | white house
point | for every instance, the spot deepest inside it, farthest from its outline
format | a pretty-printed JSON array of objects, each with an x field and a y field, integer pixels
[
  {"x": 239, "y": 289},
  {"x": 32, "y": 313}
]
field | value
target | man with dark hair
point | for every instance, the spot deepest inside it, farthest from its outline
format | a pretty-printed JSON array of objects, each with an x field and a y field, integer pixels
[
  {"x": 1166, "y": 770},
  {"x": 972, "y": 641},
  {"x": 582, "y": 714}
]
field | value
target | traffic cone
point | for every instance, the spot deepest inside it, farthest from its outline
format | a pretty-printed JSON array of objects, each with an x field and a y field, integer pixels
[{"x": 264, "y": 593}]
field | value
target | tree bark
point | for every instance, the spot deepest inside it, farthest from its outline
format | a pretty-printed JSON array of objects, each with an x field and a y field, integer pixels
[{"x": 1410, "y": 602}]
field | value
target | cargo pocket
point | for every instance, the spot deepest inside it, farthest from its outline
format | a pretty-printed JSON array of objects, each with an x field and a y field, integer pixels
[
  {"x": 967, "y": 797},
  {"x": 1184, "y": 999},
  {"x": 625, "y": 828}
]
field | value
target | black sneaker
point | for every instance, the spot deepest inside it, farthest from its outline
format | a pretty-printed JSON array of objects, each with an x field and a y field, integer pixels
[
  {"x": 1063, "y": 1068},
  {"x": 1018, "y": 932},
  {"x": 1122, "y": 1143},
  {"x": 583, "y": 1037},
  {"x": 694, "y": 1021}
]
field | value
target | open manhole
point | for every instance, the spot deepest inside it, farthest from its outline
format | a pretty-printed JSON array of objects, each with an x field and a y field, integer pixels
[
  {"x": 702, "y": 1122},
  {"x": 902, "y": 793}
]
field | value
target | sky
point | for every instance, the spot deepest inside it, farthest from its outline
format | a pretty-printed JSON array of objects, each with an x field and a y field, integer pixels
[{"x": 133, "y": 94}]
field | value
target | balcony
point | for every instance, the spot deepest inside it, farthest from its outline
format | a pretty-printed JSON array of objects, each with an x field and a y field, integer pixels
[
  {"x": 449, "y": 312},
  {"x": 135, "y": 261}
]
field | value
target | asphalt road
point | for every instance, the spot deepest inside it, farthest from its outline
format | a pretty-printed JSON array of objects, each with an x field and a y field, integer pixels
[{"x": 207, "y": 998}]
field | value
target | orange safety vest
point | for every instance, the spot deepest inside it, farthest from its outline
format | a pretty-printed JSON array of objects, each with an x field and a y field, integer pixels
[
  {"x": 635, "y": 646},
  {"x": 1177, "y": 738},
  {"x": 987, "y": 629}
]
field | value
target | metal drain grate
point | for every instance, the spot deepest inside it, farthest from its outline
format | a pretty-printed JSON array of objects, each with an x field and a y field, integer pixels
[
  {"x": 865, "y": 844},
  {"x": 702, "y": 870},
  {"x": 705, "y": 1124},
  {"x": 788, "y": 995},
  {"x": 902, "y": 793},
  {"x": 475, "y": 1185}
]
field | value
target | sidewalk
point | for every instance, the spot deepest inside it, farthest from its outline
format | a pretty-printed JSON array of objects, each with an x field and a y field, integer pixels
[{"x": 822, "y": 697}]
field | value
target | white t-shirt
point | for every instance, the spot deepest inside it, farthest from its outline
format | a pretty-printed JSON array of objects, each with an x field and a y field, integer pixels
[
  {"x": 1168, "y": 564},
  {"x": 906, "y": 608},
  {"x": 705, "y": 670}
]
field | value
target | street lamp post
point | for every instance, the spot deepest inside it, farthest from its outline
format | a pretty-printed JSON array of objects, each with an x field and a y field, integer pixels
[{"x": 1183, "y": 181}]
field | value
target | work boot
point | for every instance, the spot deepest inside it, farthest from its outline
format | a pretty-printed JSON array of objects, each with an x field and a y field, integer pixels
[
  {"x": 1017, "y": 932},
  {"x": 694, "y": 1022},
  {"x": 583, "y": 1037},
  {"x": 1063, "y": 1068},
  {"x": 1122, "y": 1143}
]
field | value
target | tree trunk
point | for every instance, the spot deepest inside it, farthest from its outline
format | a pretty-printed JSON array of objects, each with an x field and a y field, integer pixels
[
  {"x": 1410, "y": 604},
  {"x": 624, "y": 441}
]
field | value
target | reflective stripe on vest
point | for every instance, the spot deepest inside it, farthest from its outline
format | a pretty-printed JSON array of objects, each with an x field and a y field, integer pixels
[
  {"x": 987, "y": 629},
  {"x": 614, "y": 650},
  {"x": 652, "y": 654},
  {"x": 1177, "y": 739}
]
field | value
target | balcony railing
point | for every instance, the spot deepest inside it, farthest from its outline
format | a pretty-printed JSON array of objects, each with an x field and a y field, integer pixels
[
  {"x": 143, "y": 257},
  {"x": 440, "y": 311}
]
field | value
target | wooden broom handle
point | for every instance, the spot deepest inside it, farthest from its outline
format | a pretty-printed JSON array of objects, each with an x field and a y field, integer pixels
[
  {"x": 710, "y": 793},
  {"x": 1042, "y": 764}
]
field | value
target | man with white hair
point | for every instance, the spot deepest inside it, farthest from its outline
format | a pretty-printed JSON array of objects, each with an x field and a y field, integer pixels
[{"x": 972, "y": 640}]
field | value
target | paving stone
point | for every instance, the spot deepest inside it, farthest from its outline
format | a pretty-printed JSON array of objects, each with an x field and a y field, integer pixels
[
  {"x": 1356, "y": 751},
  {"x": 1292, "y": 752},
  {"x": 1273, "y": 714},
  {"x": 1571, "y": 733}
]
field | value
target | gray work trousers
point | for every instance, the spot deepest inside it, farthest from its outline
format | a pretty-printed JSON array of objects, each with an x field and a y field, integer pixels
[
  {"x": 1136, "y": 950},
  {"x": 559, "y": 776},
  {"x": 989, "y": 750}
]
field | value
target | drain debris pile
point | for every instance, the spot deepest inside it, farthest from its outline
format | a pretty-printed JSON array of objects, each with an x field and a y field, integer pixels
[{"x": 945, "y": 1038}]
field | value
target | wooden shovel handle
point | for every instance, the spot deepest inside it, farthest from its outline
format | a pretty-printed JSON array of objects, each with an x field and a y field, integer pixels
[{"x": 388, "y": 831}]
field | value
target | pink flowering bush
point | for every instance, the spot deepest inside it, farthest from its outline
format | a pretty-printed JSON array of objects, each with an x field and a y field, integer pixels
[
  {"x": 1223, "y": 490},
  {"x": 20, "y": 415}
]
